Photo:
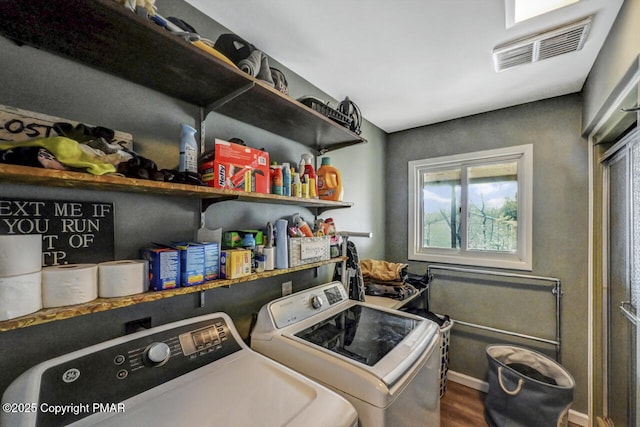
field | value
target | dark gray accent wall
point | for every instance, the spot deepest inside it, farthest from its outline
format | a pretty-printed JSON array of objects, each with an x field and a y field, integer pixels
[
  {"x": 38, "y": 81},
  {"x": 560, "y": 231}
]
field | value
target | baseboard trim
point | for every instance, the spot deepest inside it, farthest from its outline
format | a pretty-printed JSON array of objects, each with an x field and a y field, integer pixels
[
  {"x": 578, "y": 418},
  {"x": 574, "y": 416},
  {"x": 468, "y": 381}
]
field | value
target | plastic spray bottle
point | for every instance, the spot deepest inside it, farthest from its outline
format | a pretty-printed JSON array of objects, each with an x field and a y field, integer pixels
[
  {"x": 302, "y": 225},
  {"x": 306, "y": 168},
  {"x": 188, "y": 149},
  {"x": 286, "y": 179}
]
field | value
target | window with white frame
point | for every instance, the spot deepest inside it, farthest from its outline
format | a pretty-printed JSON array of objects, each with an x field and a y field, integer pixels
[{"x": 473, "y": 209}]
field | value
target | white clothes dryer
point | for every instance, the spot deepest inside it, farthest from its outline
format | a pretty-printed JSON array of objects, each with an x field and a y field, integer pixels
[
  {"x": 195, "y": 372},
  {"x": 385, "y": 362}
]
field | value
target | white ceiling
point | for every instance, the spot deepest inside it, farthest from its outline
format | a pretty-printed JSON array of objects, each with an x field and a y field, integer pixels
[{"x": 408, "y": 63}]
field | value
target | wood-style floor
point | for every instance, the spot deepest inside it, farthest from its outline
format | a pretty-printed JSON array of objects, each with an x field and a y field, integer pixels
[{"x": 462, "y": 406}]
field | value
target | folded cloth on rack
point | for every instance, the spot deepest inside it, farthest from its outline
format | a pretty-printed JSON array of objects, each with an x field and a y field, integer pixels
[
  {"x": 383, "y": 270},
  {"x": 257, "y": 65},
  {"x": 395, "y": 290}
]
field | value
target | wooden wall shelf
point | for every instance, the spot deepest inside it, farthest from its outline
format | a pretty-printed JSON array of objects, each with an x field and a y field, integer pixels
[
  {"x": 105, "y": 304},
  {"x": 108, "y": 37},
  {"x": 66, "y": 179},
  {"x": 105, "y": 35}
]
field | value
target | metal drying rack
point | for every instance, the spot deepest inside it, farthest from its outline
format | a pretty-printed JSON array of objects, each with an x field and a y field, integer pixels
[{"x": 556, "y": 290}]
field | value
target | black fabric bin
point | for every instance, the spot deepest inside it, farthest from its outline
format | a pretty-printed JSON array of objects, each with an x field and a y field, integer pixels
[{"x": 526, "y": 389}]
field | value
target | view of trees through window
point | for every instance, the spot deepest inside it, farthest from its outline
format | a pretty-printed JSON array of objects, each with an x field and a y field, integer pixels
[{"x": 492, "y": 208}]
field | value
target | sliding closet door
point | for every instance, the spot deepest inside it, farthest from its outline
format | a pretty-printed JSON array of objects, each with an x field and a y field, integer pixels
[
  {"x": 634, "y": 306},
  {"x": 622, "y": 213}
]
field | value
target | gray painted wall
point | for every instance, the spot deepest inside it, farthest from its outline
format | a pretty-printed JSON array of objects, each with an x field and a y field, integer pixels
[
  {"x": 34, "y": 80},
  {"x": 560, "y": 215},
  {"x": 375, "y": 175}
]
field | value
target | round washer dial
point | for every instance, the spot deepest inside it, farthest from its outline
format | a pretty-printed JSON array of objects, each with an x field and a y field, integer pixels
[{"x": 157, "y": 354}]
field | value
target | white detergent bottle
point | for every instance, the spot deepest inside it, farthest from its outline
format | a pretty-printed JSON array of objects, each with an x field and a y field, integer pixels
[{"x": 188, "y": 149}]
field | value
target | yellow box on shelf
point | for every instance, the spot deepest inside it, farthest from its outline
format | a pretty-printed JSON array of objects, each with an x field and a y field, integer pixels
[{"x": 235, "y": 263}]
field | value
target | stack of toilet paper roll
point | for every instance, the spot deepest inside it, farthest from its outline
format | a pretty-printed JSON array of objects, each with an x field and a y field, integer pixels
[
  {"x": 20, "y": 275},
  {"x": 26, "y": 287},
  {"x": 79, "y": 283},
  {"x": 121, "y": 278},
  {"x": 69, "y": 284}
]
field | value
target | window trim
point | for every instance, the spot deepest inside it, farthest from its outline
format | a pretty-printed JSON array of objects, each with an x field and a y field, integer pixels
[{"x": 522, "y": 259}]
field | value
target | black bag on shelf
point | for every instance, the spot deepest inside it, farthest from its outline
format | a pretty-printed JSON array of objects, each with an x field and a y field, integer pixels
[{"x": 233, "y": 47}]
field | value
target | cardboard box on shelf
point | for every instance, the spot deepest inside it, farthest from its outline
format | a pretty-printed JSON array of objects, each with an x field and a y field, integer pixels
[
  {"x": 237, "y": 167},
  {"x": 191, "y": 263},
  {"x": 164, "y": 267},
  {"x": 211, "y": 260},
  {"x": 235, "y": 263}
]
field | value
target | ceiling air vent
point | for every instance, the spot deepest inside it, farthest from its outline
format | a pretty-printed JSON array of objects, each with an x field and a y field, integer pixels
[{"x": 561, "y": 40}]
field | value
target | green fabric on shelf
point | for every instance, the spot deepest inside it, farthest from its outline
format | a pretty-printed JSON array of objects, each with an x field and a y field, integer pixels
[{"x": 66, "y": 151}]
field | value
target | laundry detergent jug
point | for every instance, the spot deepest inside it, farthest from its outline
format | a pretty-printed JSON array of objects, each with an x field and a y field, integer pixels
[{"x": 329, "y": 181}]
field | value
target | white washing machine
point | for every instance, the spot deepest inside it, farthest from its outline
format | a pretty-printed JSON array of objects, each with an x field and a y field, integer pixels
[
  {"x": 195, "y": 372},
  {"x": 385, "y": 362}
]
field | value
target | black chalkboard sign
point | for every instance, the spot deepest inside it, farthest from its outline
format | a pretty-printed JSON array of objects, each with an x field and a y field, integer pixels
[{"x": 72, "y": 232}]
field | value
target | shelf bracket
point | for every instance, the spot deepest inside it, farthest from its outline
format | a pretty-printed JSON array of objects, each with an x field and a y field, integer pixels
[
  {"x": 208, "y": 202},
  {"x": 204, "y": 111},
  {"x": 230, "y": 97},
  {"x": 321, "y": 210}
]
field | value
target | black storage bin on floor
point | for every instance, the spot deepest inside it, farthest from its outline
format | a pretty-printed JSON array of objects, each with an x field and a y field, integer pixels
[{"x": 526, "y": 389}]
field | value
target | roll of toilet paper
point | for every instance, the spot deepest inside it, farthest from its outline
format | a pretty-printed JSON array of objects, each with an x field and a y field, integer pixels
[
  {"x": 20, "y": 254},
  {"x": 69, "y": 284},
  {"x": 20, "y": 295},
  {"x": 120, "y": 278}
]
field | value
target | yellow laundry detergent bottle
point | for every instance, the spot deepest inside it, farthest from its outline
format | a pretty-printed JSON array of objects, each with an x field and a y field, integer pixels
[{"x": 329, "y": 181}]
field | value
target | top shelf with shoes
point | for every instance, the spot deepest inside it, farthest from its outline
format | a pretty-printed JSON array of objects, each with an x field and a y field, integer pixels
[{"x": 109, "y": 37}]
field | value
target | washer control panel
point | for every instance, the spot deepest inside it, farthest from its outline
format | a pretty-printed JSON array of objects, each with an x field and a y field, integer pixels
[
  {"x": 114, "y": 373},
  {"x": 304, "y": 304}
]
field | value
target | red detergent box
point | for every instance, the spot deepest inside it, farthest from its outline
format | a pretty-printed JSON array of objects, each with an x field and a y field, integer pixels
[
  {"x": 236, "y": 167},
  {"x": 164, "y": 267}
]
